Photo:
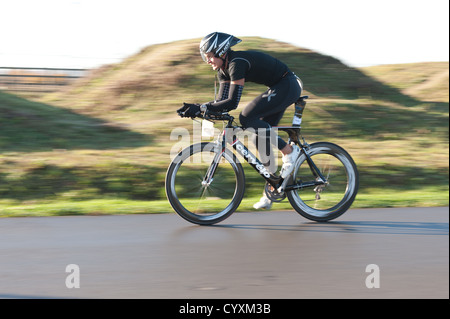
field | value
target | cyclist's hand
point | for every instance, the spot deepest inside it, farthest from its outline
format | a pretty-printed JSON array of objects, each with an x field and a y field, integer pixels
[
  {"x": 189, "y": 110},
  {"x": 183, "y": 109},
  {"x": 193, "y": 111}
]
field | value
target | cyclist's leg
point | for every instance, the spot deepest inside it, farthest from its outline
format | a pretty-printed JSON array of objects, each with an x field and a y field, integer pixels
[
  {"x": 270, "y": 105},
  {"x": 266, "y": 139},
  {"x": 255, "y": 116},
  {"x": 268, "y": 108},
  {"x": 264, "y": 112}
]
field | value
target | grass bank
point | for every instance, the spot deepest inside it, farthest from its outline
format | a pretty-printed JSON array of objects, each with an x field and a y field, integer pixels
[
  {"x": 102, "y": 145},
  {"x": 426, "y": 197}
]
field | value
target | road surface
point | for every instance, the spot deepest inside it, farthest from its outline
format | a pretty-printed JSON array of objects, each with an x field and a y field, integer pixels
[{"x": 399, "y": 253}]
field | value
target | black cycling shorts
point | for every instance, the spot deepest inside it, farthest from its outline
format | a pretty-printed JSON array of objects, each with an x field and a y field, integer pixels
[{"x": 268, "y": 108}]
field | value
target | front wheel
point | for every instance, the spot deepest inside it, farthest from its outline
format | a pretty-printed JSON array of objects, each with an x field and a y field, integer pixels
[
  {"x": 333, "y": 198},
  {"x": 205, "y": 184}
]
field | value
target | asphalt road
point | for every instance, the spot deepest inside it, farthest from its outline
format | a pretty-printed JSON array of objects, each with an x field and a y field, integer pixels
[{"x": 249, "y": 255}]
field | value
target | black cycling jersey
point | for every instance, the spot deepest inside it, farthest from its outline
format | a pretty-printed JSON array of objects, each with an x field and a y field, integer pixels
[
  {"x": 267, "y": 109},
  {"x": 254, "y": 67}
]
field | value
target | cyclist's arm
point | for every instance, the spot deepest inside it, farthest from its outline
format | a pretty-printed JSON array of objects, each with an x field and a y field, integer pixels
[
  {"x": 224, "y": 90},
  {"x": 232, "y": 101}
]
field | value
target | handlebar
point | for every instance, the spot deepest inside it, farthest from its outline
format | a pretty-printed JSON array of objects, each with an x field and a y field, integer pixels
[
  {"x": 212, "y": 116},
  {"x": 218, "y": 116}
]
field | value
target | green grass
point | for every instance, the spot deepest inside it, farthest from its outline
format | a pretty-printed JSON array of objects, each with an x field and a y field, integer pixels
[
  {"x": 88, "y": 207},
  {"x": 429, "y": 196},
  {"x": 102, "y": 146},
  {"x": 30, "y": 126}
]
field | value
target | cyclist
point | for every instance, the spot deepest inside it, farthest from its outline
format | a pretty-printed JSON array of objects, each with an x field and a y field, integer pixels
[{"x": 234, "y": 68}]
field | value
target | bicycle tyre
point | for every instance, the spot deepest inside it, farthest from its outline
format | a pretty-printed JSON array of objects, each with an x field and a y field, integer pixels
[
  {"x": 191, "y": 201},
  {"x": 334, "y": 198}
]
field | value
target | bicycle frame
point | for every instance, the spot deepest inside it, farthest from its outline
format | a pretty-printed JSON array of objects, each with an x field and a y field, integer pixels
[{"x": 276, "y": 181}]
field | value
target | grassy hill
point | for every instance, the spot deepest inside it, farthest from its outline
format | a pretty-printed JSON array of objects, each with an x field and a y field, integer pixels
[
  {"x": 103, "y": 144},
  {"x": 423, "y": 81}
]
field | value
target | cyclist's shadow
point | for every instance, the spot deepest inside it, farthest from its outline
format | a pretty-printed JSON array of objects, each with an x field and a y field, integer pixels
[{"x": 372, "y": 227}]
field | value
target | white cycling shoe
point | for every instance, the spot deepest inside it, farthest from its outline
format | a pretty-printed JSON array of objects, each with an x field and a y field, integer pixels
[
  {"x": 289, "y": 161},
  {"x": 264, "y": 203}
]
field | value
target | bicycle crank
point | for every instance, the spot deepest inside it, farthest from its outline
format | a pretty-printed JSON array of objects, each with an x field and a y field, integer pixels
[{"x": 273, "y": 194}]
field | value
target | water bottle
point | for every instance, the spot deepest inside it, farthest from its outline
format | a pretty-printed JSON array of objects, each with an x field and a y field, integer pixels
[{"x": 299, "y": 107}]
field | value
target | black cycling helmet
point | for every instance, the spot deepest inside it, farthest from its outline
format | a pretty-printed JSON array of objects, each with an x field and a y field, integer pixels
[{"x": 218, "y": 43}]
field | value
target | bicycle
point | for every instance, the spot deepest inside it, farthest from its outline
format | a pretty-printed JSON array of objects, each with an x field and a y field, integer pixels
[{"x": 205, "y": 182}]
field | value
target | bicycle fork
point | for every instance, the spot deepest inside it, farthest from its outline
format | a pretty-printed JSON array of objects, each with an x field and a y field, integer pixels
[{"x": 209, "y": 176}]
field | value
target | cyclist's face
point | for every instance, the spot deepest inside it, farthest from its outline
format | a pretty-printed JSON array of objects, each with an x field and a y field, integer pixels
[{"x": 216, "y": 63}]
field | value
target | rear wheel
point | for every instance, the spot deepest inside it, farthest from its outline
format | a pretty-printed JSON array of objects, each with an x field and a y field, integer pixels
[{"x": 332, "y": 199}]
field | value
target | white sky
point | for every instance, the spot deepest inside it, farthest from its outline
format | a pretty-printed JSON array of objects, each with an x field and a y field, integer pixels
[{"x": 89, "y": 33}]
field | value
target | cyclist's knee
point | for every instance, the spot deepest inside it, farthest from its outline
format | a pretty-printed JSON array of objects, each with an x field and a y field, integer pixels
[
  {"x": 253, "y": 122},
  {"x": 245, "y": 121}
]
